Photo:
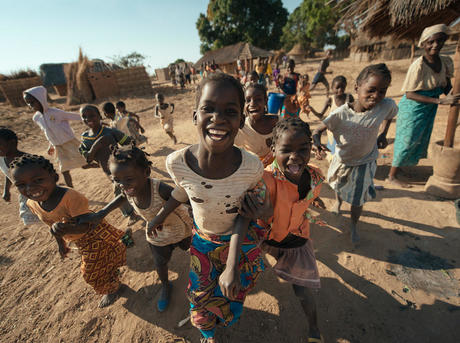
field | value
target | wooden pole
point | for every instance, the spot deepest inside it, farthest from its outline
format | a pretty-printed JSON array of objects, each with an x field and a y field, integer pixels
[{"x": 453, "y": 112}]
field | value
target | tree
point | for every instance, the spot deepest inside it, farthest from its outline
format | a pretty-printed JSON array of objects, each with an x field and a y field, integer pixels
[
  {"x": 133, "y": 59},
  {"x": 311, "y": 24},
  {"x": 179, "y": 60},
  {"x": 226, "y": 22}
]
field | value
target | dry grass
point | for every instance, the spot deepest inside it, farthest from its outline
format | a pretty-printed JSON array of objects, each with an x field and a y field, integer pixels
[
  {"x": 78, "y": 87},
  {"x": 18, "y": 74}
]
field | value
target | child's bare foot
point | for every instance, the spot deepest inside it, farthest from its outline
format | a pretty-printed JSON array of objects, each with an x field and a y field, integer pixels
[
  {"x": 336, "y": 208},
  {"x": 354, "y": 234},
  {"x": 109, "y": 299},
  {"x": 395, "y": 181}
]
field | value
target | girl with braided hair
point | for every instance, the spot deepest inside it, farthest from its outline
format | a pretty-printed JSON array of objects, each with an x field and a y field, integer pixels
[
  {"x": 293, "y": 186},
  {"x": 66, "y": 212},
  {"x": 130, "y": 170}
]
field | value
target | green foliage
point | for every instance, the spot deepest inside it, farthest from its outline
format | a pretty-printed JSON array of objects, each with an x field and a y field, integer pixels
[
  {"x": 311, "y": 24},
  {"x": 258, "y": 22},
  {"x": 133, "y": 59},
  {"x": 179, "y": 60}
]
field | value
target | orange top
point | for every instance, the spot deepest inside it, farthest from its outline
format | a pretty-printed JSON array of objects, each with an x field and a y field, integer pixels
[
  {"x": 304, "y": 94},
  {"x": 290, "y": 215},
  {"x": 71, "y": 205}
]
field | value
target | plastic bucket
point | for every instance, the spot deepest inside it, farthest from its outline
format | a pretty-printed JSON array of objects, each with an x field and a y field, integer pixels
[{"x": 275, "y": 100}]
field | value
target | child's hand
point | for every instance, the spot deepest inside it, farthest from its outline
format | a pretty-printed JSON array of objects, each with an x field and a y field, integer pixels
[
  {"x": 382, "y": 141},
  {"x": 89, "y": 218},
  {"x": 6, "y": 196},
  {"x": 251, "y": 208},
  {"x": 63, "y": 250},
  {"x": 229, "y": 282},
  {"x": 320, "y": 151},
  {"x": 153, "y": 226},
  {"x": 319, "y": 203},
  {"x": 60, "y": 229}
]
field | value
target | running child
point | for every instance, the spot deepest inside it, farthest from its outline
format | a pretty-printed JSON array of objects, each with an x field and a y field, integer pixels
[
  {"x": 355, "y": 127},
  {"x": 322, "y": 71},
  {"x": 290, "y": 107},
  {"x": 62, "y": 209},
  {"x": 130, "y": 170},
  {"x": 293, "y": 186},
  {"x": 124, "y": 123},
  {"x": 8, "y": 152},
  {"x": 252, "y": 78},
  {"x": 256, "y": 134},
  {"x": 96, "y": 145},
  {"x": 303, "y": 95},
  {"x": 339, "y": 98},
  {"x": 164, "y": 112},
  {"x": 121, "y": 109},
  {"x": 214, "y": 175},
  {"x": 55, "y": 124}
]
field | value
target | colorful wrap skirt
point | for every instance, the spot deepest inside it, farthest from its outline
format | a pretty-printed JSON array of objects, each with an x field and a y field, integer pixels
[
  {"x": 208, "y": 306},
  {"x": 414, "y": 125},
  {"x": 102, "y": 253},
  {"x": 354, "y": 184}
]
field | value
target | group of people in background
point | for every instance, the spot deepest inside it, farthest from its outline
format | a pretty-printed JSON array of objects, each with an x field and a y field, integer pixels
[{"x": 246, "y": 188}]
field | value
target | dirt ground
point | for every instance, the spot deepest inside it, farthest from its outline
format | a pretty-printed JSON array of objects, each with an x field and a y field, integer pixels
[{"x": 400, "y": 285}]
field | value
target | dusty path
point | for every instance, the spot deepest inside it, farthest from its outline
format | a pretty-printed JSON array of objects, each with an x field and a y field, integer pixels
[{"x": 400, "y": 285}]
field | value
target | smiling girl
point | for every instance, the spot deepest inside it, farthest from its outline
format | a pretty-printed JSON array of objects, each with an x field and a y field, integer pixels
[
  {"x": 214, "y": 175},
  {"x": 355, "y": 127}
]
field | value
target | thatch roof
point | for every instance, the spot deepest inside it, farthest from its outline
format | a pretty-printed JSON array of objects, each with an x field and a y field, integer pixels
[
  {"x": 401, "y": 19},
  {"x": 232, "y": 53},
  {"x": 297, "y": 50}
]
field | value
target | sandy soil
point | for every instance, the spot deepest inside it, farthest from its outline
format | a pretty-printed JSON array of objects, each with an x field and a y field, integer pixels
[{"x": 400, "y": 285}]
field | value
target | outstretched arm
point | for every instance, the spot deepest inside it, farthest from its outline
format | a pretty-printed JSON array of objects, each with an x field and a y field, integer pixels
[
  {"x": 320, "y": 115},
  {"x": 447, "y": 100},
  {"x": 317, "y": 137}
]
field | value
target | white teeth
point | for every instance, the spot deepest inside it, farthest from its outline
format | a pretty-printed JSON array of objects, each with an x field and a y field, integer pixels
[{"x": 217, "y": 132}]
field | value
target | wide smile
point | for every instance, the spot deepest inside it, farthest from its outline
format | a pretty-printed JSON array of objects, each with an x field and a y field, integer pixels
[
  {"x": 130, "y": 191},
  {"x": 216, "y": 135},
  {"x": 36, "y": 195},
  {"x": 294, "y": 168}
]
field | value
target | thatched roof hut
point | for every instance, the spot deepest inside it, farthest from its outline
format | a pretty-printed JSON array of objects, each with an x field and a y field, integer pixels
[
  {"x": 400, "y": 19},
  {"x": 52, "y": 74},
  {"x": 227, "y": 56},
  {"x": 363, "y": 49},
  {"x": 297, "y": 53}
]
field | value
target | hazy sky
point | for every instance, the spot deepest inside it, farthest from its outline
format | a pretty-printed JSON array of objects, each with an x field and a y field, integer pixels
[{"x": 33, "y": 32}]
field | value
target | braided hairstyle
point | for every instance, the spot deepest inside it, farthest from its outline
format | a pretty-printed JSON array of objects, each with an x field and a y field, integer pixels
[
  {"x": 28, "y": 160},
  {"x": 379, "y": 69},
  {"x": 129, "y": 154},
  {"x": 295, "y": 125},
  {"x": 219, "y": 77}
]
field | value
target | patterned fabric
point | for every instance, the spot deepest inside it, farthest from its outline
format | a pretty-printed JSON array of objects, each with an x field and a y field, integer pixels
[
  {"x": 102, "y": 253},
  {"x": 354, "y": 184},
  {"x": 208, "y": 258},
  {"x": 251, "y": 140},
  {"x": 303, "y": 98},
  {"x": 290, "y": 215},
  {"x": 414, "y": 125}
]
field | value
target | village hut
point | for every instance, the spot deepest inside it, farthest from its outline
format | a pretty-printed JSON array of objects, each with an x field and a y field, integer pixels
[
  {"x": 228, "y": 56},
  {"x": 364, "y": 49},
  {"x": 53, "y": 75},
  {"x": 298, "y": 53}
]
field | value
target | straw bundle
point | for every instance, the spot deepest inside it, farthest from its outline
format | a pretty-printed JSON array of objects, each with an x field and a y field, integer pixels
[{"x": 78, "y": 87}]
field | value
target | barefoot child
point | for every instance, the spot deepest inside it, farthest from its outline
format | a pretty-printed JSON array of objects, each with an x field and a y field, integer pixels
[
  {"x": 134, "y": 123},
  {"x": 126, "y": 124},
  {"x": 102, "y": 252},
  {"x": 339, "y": 97},
  {"x": 95, "y": 146},
  {"x": 322, "y": 70},
  {"x": 355, "y": 127},
  {"x": 303, "y": 95},
  {"x": 8, "y": 152},
  {"x": 214, "y": 175},
  {"x": 55, "y": 124},
  {"x": 166, "y": 119},
  {"x": 256, "y": 134},
  {"x": 130, "y": 170},
  {"x": 293, "y": 186}
]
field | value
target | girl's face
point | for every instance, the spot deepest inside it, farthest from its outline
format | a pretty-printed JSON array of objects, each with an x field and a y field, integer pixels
[
  {"x": 338, "y": 88},
  {"x": 130, "y": 177},
  {"x": 35, "y": 182},
  {"x": 32, "y": 102},
  {"x": 121, "y": 109},
  {"x": 292, "y": 153},
  {"x": 371, "y": 91},
  {"x": 434, "y": 44},
  {"x": 218, "y": 116},
  {"x": 255, "y": 102},
  {"x": 91, "y": 118}
]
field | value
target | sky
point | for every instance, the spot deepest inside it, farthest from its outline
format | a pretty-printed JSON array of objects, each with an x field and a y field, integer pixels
[{"x": 33, "y": 32}]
